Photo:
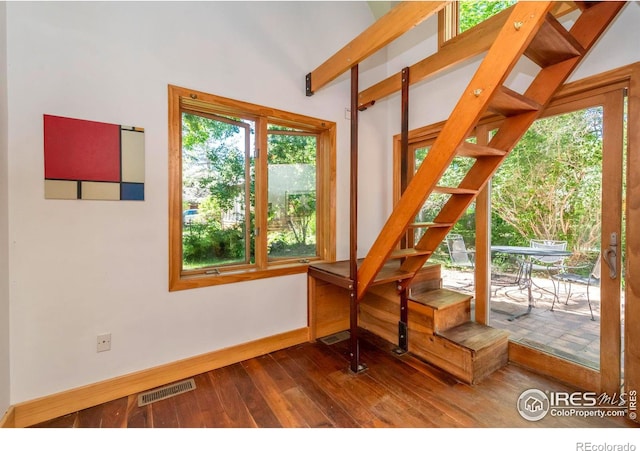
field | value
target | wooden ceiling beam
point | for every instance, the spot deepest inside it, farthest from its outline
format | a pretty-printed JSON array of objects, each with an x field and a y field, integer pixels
[
  {"x": 389, "y": 27},
  {"x": 458, "y": 49}
]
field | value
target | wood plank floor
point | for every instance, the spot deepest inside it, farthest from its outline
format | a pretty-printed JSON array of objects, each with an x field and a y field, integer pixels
[{"x": 310, "y": 386}]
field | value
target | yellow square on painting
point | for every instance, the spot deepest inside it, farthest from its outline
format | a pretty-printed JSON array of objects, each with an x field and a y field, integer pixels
[
  {"x": 132, "y": 156},
  {"x": 100, "y": 191},
  {"x": 60, "y": 189}
]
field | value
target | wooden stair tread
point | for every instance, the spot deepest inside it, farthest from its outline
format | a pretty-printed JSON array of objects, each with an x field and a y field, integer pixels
[
  {"x": 408, "y": 252},
  {"x": 473, "y": 150},
  {"x": 337, "y": 272},
  {"x": 507, "y": 102},
  {"x": 425, "y": 225},
  {"x": 474, "y": 336},
  {"x": 454, "y": 190},
  {"x": 339, "y": 268},
  {"x": 440, "y": 298},
  {"x": 553, "y": 44},
  {"x": 391, "y": 274}
]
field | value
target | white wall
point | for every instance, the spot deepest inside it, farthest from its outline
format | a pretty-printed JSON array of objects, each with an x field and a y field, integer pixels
[
  {"x": 4, "y": 223},
  {"x": 618, "y": 47},
  {"x": 81, "y": 268}
]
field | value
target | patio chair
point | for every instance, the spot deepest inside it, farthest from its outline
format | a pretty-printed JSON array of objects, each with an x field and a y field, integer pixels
[
  {"x": 574, "y": 277},
  {"x": 458, "y": 252},
  {"x": 548, "y": 263}
]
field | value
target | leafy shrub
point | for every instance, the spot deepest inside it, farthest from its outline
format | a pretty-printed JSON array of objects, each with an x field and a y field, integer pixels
[{"x": 206, "y": 242}]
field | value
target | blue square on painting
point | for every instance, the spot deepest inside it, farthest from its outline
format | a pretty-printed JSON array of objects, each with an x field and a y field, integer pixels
[{"x": 132, "y": 191}]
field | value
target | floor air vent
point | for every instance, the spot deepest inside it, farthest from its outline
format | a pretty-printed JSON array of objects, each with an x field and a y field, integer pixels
[
  {"x": 166, "y": 392},
  {"x": 335, "y": 338}
]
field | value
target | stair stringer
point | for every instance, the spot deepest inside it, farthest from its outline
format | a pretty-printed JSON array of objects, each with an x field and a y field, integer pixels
[{"x": 509, "y": 46}]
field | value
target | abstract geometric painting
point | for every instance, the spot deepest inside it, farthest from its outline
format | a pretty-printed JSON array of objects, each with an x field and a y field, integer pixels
[{"x": 92, "y": 160}]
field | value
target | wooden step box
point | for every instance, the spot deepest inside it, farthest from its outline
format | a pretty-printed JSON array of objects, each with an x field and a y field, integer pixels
[{"x": 440, "y": 327}]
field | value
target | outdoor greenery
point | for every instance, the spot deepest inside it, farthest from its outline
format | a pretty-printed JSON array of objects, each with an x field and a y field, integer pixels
[
  {"x": 214, "y": 176},
  {"x": 473, "y": 12},
  {"x": 549, "y": 187},
  {"x": 292, "y": 222},
  {"x": 217, "y": 172}
]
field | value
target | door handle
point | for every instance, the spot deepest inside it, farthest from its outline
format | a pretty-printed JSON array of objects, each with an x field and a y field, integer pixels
[{"x": 611, "y": 256}]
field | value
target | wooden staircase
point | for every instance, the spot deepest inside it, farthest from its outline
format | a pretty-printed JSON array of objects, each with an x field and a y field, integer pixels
[
  {"x": 440, "y": 328},
  {"x": 466, "y": 349},
  {"x": 530, "y": 31},
  {"x": 438, "y": 320}
]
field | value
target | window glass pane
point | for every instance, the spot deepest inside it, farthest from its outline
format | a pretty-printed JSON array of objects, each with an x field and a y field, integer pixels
[
  {"x": 549, "y": 188},
  {"x": 426, "y": 213},
  {"x": 292, "y": 194},
  {"x": 473, "y": 12},
  {"x": 217, "y": 176}
]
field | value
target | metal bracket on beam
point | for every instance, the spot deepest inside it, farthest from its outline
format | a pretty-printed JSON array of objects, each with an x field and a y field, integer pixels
[
  {"x": 367, "y": 105},
  {"x": 403, "y": 328},
  {"x": 403, "y": 339},
  {"x": 360, "y": 369},
  {"x": 356, "y": 366},
  {"x": 308, "y": 85}
]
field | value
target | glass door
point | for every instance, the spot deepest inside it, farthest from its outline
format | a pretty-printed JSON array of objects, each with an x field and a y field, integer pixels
[{"x": 563, "y": 183}]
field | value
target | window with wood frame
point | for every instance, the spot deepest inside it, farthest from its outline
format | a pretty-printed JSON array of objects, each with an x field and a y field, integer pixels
[
  {"x": 457, "y": 17},
  {"x": 251, "y": 190}
]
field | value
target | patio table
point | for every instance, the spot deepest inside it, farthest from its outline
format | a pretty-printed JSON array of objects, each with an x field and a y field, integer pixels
[{"x": 527, "y": 252}]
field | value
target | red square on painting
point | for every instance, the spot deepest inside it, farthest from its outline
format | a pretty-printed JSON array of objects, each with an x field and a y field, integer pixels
[{"x": 75, "y": 149}]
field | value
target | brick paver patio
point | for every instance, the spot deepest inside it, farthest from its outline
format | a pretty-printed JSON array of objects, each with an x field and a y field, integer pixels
[{"x": 567, "y": 331}]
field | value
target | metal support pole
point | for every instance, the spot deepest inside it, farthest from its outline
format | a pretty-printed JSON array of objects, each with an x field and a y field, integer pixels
[
  {"x": 404, "y": 146},
  {"x": 403, "y": 328},
  {"x": 355, "y": 366}
]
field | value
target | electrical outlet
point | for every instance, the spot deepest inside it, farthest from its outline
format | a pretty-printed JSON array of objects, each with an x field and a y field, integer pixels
[
  {"x": 104, "y": 342},
  {"x": 347, "y": 113}
]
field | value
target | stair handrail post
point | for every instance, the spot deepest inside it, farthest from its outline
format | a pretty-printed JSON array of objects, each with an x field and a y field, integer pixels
[{"x": 403, "y": 323}]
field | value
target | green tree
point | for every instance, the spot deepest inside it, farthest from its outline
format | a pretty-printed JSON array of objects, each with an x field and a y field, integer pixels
[
  {"x": 474, "y": 12},
  {"x": 549, "y": 186},
  {"x": 287, "y": 147},
  {"x": 301, "y": 212},
  {"x": 291, "y": 148},
  {"x": 214, "y": 178},
  {"x": 214, "y": 159}
]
